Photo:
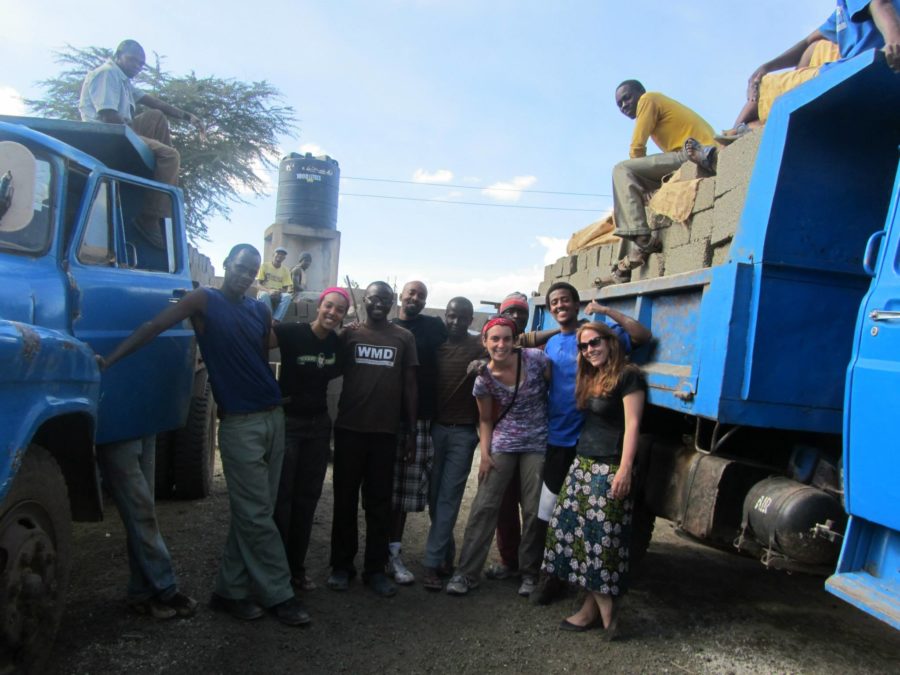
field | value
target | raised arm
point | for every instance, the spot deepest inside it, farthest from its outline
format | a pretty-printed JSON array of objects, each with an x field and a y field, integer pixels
[
  {"x": 191, "y": 304},
  {"x": 172, "y": 111},
  {"x": 787, "y": 59},
  {"x": 638, "y": 332}
]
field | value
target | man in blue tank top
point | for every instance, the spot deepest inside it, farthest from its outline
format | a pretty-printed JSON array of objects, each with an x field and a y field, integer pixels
[{"x": 234, "y": 334}]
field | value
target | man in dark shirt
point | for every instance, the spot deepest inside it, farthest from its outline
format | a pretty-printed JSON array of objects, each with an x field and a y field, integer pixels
[
  {"x": 455, "y": 437},
  {"x": 234, "y": 333},
  {"x": 379, "y": 393},
  {"x": 310, "y": 359},
  {"x": 411, "y": 476}
]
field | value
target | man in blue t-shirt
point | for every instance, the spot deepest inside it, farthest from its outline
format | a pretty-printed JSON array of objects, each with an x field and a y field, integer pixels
[{"x": 234, "y": 334}]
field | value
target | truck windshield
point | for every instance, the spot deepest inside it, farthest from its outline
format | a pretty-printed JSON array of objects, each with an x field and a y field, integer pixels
[{"x": 33, "y": 237}]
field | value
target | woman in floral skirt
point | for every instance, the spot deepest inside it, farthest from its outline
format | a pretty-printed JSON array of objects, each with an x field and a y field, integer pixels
[{"x": 590, "y": 531}]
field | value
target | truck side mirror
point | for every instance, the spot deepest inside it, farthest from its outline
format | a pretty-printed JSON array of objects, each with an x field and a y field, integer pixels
[{"x": 18, "y": 169}]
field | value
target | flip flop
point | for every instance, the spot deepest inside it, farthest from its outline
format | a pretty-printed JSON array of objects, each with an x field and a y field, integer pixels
[
  {"x": 707, "y": 154},
  {"x": 726, "y": 138}
]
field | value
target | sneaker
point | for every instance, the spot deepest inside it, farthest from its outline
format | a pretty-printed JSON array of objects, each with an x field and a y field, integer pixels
[
  {"x": 460, "y": 584},
  {"x": 431, "y": 580},
  {"x": 382, "y": 586},
  {"x": 242, "y": 608},
  {"x": 153, "y": 608},
  {"x": 526, "y": 588},
  {"x": 547, "y": 590},
  {"x": 499, "y": 572},
  {"x": 291, "y": 613},
  {"x": 398, "y": 571},
  {"x": 183, "y": 605},
  {"x": 339, "y": 580}
]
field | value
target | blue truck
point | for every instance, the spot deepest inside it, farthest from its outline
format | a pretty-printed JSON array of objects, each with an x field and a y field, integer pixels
[
  {"x": 757, "y": 435},
  {"x": 78, "y": 274}
]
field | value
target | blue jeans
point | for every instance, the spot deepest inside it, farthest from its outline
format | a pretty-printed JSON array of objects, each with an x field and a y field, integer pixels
[
  {"x": 278, "y": 313},
  {"x": 454, "y": 447},
  {"x": 128, "y": 473}
]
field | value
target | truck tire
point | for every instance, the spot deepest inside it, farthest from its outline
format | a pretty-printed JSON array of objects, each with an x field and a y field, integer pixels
[
  {"x": 194, "y": 447},
  {"x": 164, "y": 481},
  {"x": 35, "y": 545}
]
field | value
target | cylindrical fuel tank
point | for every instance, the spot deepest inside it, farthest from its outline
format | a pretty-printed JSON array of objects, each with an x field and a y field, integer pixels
[
  {"x": 781, "y": 514},
  {"x": 308, "y": 191}
]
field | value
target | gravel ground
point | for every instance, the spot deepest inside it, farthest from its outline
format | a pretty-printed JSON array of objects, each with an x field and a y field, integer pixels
[{"x": 694, "y": 610}]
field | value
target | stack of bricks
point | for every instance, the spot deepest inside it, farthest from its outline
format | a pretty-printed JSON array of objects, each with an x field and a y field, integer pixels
[{"x": 703, "y": 241}]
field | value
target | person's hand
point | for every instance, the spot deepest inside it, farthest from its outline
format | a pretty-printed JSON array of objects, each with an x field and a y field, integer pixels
[
  {"x": 595, "y": 307},
  {"x": 485, "y": 466},
  {"x": 410, "y": 446},
  {"x": 101, "y": 362},
  {"x": 621, "y": 485},
  {"x": 753, "y": 83},
  {"x": 892, "y": 54},
  {"x": 476, "y": 367}
]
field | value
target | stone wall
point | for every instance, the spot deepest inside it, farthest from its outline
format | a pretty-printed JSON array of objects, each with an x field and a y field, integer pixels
[{"x": 703, "y": 241}]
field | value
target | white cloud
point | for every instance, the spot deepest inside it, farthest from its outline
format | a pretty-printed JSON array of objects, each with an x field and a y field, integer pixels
[
  {"x": 312, "y": 148},
  {"x": 439, "y": 176},
  {"x": 471, "y": 179},
  {"x": 450, "y": 196},
  {"x": 511, "y": 190},
  {"x": 555, "y": 248},
  {"x": 11, "y": 102}
]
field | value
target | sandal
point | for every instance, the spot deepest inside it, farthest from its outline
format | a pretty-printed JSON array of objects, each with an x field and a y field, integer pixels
[
  {"x": 431, "y": 580},
  {"x": 703, "y": 156}
]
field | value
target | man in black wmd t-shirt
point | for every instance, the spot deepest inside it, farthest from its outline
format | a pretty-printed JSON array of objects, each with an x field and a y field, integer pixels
[{"x": 411, "y": 478}]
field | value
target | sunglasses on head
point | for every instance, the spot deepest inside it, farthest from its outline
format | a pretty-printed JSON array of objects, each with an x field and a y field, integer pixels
[{"x": 593, "y": 342}]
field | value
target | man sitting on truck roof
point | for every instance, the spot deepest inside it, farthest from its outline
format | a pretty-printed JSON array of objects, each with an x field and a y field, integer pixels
[
  {"x": 107, "y": 95},
  {"x": 670, "y": 124}
]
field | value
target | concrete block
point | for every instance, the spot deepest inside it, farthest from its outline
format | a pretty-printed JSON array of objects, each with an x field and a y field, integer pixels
[
  {"x": 677, "y": 235},
  {"x": 727, "y": 214},
  {"x": 692, "y": 256},
  {"x": 721, "y": 254},
  {"x": 706, "y": 195},
  {"x": 606, "y": 256},
  {"x": 544, "y": 285},
  {"x": 690, "y": 171},
  {"x": 550, "y": 271},
  {"x": 654, "y": 268},
  {"x": 582, "y": 279},
  {"x": 701, "y": 225},
  {"x": 570, "y": 265},
  {"x": 736, "y": 162}
]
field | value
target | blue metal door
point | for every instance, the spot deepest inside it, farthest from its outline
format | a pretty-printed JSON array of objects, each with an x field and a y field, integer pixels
[{"x": 119, "y": 281}]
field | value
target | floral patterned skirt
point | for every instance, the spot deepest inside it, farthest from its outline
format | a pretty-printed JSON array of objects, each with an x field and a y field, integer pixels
[{"x": 590, "y": 532}]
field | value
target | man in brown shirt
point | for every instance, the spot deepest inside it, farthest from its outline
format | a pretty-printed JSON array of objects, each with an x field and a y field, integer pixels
[
  {"x": 379, "y": 391},
  {"x": 454, "y": 436}
]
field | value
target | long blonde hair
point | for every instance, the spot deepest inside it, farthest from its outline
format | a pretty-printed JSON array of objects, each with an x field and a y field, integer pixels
[{"x": 592, "y": 381}]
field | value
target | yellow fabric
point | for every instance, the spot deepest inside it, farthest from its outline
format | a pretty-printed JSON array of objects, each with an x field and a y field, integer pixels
[
  {"x": 774, "y": 85},
  {"x": 595, "y": 234},
  {"x": 668, "y": 123},
  {"x": 675, "y": 199},
  {"x": 824, "y": 52},
  {"x": 273, "y": 278}
]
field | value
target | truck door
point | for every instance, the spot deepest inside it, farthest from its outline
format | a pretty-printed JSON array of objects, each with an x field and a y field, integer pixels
[
  {"x": 123, "y": 275},
  {"x": 868, "y": 572}
]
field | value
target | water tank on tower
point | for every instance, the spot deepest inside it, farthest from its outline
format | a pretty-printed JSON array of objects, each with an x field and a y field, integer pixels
[{"x": 308, "y": 191}]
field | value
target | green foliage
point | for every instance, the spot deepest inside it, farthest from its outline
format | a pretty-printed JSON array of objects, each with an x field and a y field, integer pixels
[{"x": 244, "y": 121}]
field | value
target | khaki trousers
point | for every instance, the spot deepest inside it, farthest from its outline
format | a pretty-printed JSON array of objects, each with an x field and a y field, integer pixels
[{"x": 633, "y": 179}]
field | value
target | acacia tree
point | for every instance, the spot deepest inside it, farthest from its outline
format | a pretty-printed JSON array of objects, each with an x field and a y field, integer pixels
[{"x": 244, "y": 122}]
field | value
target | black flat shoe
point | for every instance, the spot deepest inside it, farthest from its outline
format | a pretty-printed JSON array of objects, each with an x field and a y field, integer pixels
[
  {"x": 243, "y": 609},
  {"x": 567, "y": 625}
]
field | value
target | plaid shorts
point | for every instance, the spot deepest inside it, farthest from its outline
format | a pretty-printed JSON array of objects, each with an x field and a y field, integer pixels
[{"x": 411, "y": 478}]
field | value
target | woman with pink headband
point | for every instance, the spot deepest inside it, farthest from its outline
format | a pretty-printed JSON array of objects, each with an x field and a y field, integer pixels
[
  {"x": 310, "y": 358},
  {"x": 511, "y": 393}
]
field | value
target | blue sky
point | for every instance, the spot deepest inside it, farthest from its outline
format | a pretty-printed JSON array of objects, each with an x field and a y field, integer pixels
[{"x": 516, "y": 94}]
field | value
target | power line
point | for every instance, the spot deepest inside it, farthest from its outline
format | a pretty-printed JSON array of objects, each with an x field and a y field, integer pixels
[
  {"x": 443, "y": 201},
  {"x": 475, "y": 187}
]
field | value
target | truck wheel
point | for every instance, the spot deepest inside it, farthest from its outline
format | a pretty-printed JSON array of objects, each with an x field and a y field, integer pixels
[
  {"x": 164, "y": 481},
  {"x": 35, "y": 543},
  {"x": 194, "y": 448}
]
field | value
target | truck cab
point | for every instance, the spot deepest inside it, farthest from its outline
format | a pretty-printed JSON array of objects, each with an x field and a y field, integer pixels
[{"x": 78, "y": 273}]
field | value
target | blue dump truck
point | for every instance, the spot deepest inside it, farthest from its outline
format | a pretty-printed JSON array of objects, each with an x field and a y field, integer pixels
[
  {"x": 758, "y": 435},
  {"x": 77, "y": 275}
]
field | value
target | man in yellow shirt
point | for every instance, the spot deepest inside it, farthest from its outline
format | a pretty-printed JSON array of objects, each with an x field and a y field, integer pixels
[
  {"x": 669, "y": 124},
  {"x": 275, "y": 284}
]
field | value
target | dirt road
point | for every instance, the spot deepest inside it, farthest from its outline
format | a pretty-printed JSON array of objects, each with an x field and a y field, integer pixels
[{"x": 694, "y": 610}]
